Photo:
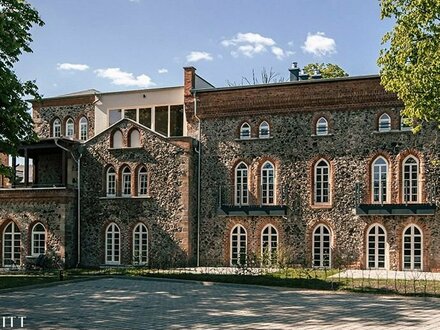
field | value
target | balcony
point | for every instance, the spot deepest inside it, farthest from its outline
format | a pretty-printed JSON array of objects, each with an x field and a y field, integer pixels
[
  {"x": 395, "y": 209},
  {"x": 233, "y": 202}
]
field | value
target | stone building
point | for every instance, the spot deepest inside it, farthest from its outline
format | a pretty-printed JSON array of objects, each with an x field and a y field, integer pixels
[{"x": 319, "y": 172}]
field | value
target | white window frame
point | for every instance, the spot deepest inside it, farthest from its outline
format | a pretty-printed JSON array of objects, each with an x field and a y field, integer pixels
[
  {"x": 267, "y": 184},
  {"x": 408, "y": 184},
  {"x": 143, "y": 182},
  {"x": 241, "y": 196},
  {"x": 236, "y": 258},
  {"x": 269, "y": 245},
  {"x": 110, "y": 182},
  {"x": 70, "y": 128},
  {"x": 126, "y": 182},
  {"x": 374, "y": 241},
  {"x": 112, "y": 244},
  {"x": 318, "y": 179},
  {"x": 322, "y": 126},
  {"x": 140, "y": 244},
  {"x": 384, "y": 123},
  {"x": 14, "y": 237},
  {"x": 324, "y": 254},
  {"x": 38, "y": 237},
  {"x": 381, "y": 184},
  {"x": 83, "y": 129},
  {"x": 411, "y": 245},
  {"x": 245, "y": 127},
  {"x": 264, "y": 130},
  {"x": 56, "y": 128}
]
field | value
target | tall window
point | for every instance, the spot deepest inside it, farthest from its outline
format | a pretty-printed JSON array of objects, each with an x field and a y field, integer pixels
[
  {"x": 410, "y": 180},
  {"x": 264, "y": 130},
  {"x": 321, "y": 247},
  {"x": 142, "y": 182},
  {"x": 116, "y": 141},
  {"x": 83, "y": 129},
  {"x": 111, "y": 182},
  {"x": 384, "y": 123},
  {"x": 241, "y": 184},
  {"x": 134, "y": 139},
  {"x": 140, "y": 245},
  {"x": 269, "y": 245},
  {"x": 376, "y": 247},
  {"x": 112, "y": 245},
  {"x": 412, "y": 248},
  {"x": 322, "y": 126},
  {"x": 245, "y": 131},
  {"x": 11, "y": 246},
  {"x": 70, "y": 128},
  {"x": 238, "y": 245},
  {"x": 267, "y": 184},
  {"x": 56, "y": 128},
  {"x": 38, "y": 240},
  {"x": 379, "y": 180},
  {"x": 126, "y": 182},
  {"x": 322, "y": 182}
]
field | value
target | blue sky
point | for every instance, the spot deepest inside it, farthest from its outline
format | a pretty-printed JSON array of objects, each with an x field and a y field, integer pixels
[{"x": 129, "y": 44}]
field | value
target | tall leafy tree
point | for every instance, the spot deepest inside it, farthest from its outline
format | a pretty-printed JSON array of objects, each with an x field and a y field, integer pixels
[
  {"x": 328, "y": 70},
  {"x": 16, "y": 19},
  {"x": 410, "y": 62}
]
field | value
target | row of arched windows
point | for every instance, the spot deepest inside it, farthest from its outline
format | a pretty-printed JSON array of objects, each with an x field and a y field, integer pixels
[
  {"x": 376, "y": 247},
  {"x": 12, "y": 249},
  {"x": 122, "y": 184},
  {"x": 133, "y": 141},
  {"x": 385, "y": 125},
  {"x": 266, "y": 187},
  {"x": 113, "y": 244},
  {"x": 68, "y": 130},
  {"x": 263, "y": 130}
]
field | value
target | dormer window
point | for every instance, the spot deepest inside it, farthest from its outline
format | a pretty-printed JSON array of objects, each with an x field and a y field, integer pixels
[
  {"x": 322, "y": 126},
  {"x": 245, "y": 131},
  {"x": 384, "y": 123},
  {"x": 264, "y": 130},
  {"x": 70, "y": 128},
  {"x": 56, "y": 128}
]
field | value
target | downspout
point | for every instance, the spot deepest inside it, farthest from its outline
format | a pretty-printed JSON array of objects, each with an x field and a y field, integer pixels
[{"x": 199, "y": 152}]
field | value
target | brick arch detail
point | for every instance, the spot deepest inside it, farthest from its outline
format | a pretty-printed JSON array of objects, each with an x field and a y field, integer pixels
[
  {"x": 29, "y": 234},
  {"x": 309, "y": 236},
  {"x": 255, "y": 172},
  {"x": 426, "y": 239},
  {"x": 311, "y": 165},
  {"x": 368, "y": 225},
  {"x": 227, "y": 238},
  {"x": 129, "y": 131},
  {"x": 327, "y": 116},
  {"x": 399, "y": 172}
]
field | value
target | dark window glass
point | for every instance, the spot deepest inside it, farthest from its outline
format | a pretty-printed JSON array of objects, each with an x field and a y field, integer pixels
[
  {"x": 176, "y": 120},
  {"x": 114, "y": 116},
  {"x": 145, "y": 117},
  {"x": 130, "y": 113},
  {"x": 161, "y": 120}
]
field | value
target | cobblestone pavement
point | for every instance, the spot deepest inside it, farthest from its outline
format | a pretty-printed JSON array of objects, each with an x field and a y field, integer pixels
[{"x": 121, "y": 303}]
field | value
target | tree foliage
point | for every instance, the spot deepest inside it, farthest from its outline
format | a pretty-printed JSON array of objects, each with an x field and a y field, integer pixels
[
  {"x": 328, "y": 70},
  {"x": 410, "y": 62},
  {"x": 16, "y": 19},
  {"x": 266, "y": 77}
]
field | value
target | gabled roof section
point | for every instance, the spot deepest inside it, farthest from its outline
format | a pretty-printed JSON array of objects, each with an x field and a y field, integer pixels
[{"x": 91, "y": 91}]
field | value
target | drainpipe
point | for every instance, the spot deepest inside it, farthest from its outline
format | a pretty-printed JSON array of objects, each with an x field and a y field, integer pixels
[
  {"x": 78, "y": 162},
  {"x": 199, "y": 152}
]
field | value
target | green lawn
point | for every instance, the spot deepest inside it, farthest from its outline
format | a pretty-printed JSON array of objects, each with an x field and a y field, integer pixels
[{"x": 12, "y": 281}]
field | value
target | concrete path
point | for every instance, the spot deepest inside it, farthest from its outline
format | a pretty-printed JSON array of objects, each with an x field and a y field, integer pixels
[
  {"x": 120, "y": 303},
  {"x": 389, "y": 274}
]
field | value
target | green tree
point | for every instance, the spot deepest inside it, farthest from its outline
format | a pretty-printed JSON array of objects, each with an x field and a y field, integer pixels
[
  {"x": 410, "y": 62},
  {"x": 16, "y": 19},
  {"x": 328, "y": 70}
]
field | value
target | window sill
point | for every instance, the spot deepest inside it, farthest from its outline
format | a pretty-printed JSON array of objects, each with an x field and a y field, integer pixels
[
  {"x": 321, "y": 206},
  {"x": 125, "y": 148},
  {"x": 125, "y": 197},
  {"x": 322, "y": 135},
  {"x": 393, "y": 131},
  {"x": 255, "y": 139}
]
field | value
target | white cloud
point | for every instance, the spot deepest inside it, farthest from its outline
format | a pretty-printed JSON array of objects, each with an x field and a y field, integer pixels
[
  {"x": 248, "y": 44},
  {"x": 163, "y": 70},
  {"x": 70, "y": 67},
  {"x": 318, "y": 44},
  {"x": 122, "y": 78},
  {"x": 198, "y": 56}
]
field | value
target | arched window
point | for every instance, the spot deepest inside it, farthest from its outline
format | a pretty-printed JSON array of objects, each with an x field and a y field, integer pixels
[
  {"x": 238, "y": 246},
  {"x": 126, "y": 181},
  {"x": 245, "y": 131},
  {"x": 322, "y": 182},
  {"x": 376, "y": 247},
  {"x": 322, "y": 126},
  {"x": 70, "y": 128},
  {"x": 264, "y": 130},
  {"x": 83, "y": 129},
  {"x": 38, "y": 245},
  {"x": 11, "y": 246},
  {"x": 116, "y": 141},
  {"x": 384, "y": 123},
  {"x": 410, "y": 180},
  {"x": 56, "y": 128},
  {"x": 379, "y": 180},
  {"x": 269, "y": 245},
  {"x": 111, "y": 182},
  {"x": 412, "y": 248},
  {"x": 267, "y": 184},
  {"x": 134, "y": 139},
  {"x": 241, "y": 184},
  {"x": 143, "y": 182},
  {"x": 112, "y": 245},
  {"x": 321, "y": 247},
  {"x": 140, "y": 245}
]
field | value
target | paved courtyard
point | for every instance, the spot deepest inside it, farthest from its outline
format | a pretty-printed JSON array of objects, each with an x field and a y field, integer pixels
[{"x": 120, "y": 303}]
